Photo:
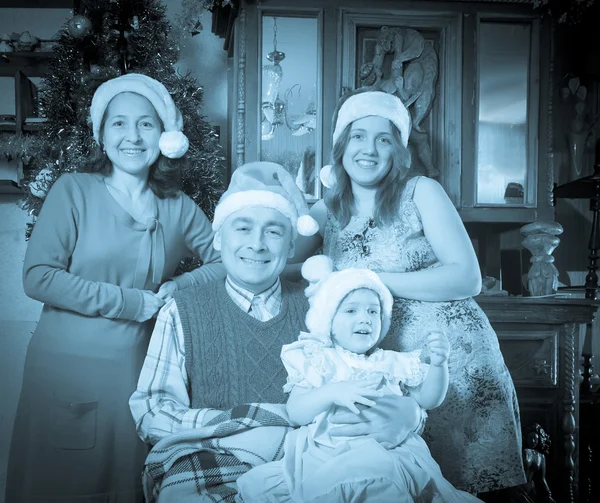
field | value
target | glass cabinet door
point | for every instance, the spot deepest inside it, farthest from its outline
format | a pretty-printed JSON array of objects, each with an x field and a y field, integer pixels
[
  {"x": 290, "y": 122},
  {"x": 505, "y": 148}
]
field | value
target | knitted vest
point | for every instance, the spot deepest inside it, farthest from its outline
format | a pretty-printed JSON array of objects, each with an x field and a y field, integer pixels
[{"x": 232, "y": 358}]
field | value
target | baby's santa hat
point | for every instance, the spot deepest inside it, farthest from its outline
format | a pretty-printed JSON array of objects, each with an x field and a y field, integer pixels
[
  {"x": 269, "y": 185},
  {"x": 172, "y": 143},
  {"x": 328, "y": 288}
]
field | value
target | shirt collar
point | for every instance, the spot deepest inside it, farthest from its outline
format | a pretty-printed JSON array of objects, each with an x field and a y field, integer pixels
[{"x": 243, "y": 298}]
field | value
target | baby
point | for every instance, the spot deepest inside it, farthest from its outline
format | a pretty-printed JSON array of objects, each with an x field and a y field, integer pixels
[{"x": 337, "y": 364}]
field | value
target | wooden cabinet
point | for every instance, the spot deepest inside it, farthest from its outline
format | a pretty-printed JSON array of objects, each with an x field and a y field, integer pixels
[
  {"x": 541, "y": 340},
  {"x": 22, "y": 66},
  {"x": 488, "y": 125}
]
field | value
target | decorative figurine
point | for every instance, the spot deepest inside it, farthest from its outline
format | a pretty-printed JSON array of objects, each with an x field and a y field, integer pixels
[
  {"x": 540, "y": 239},
  {"x": 537, "y": 446}
]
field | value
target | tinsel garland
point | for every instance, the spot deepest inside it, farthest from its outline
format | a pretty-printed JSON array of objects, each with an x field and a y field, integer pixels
[
  {"x": 187, "y": 20},
  {"x": 77, "y": 68},
  {"x": 569, "y": 12}
]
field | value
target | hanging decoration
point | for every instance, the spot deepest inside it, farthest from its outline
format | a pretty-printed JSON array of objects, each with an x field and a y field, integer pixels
[
  {"x": 79, "y": 26},
  {"x": 277, "y": 111},
  {"x": 187, "y": 19}
]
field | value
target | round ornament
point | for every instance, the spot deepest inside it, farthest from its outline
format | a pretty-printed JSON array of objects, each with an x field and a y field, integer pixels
[
  {"x": 38, "y": 189},
  {"x": 79, "y": 26}
]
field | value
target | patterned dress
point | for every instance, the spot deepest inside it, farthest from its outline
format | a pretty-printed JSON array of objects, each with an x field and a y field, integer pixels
[{"x": 475, "y": 434}]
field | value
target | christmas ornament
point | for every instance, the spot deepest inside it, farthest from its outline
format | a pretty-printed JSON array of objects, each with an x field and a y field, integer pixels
[
  {"x": 79, "y": 26},
  {"x": 39, "y": 188}
]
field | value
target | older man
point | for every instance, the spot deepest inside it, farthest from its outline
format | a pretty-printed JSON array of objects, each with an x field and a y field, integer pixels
[{"x": 217, "y": 346}]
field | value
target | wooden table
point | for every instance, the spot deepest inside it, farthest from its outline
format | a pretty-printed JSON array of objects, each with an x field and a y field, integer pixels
[{"x": 541, "y": 340}]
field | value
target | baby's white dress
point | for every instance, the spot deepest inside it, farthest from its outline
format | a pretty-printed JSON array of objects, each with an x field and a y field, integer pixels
[{"x": 319, "y": 468}]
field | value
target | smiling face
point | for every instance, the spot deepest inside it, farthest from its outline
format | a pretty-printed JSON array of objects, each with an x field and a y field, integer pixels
[
  {"x": 130, "y": 134},
  {"x": 368, "y": 155},
  {"x": 255, "y": 244},
  {"x": 356, "y": 325}
]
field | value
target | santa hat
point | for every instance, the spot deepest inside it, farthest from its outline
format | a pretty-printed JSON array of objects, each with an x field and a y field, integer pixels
[
  {"x": 172, "y": 143},
  {"x": 327, "y": 290},
  {"x": 269, "y": 185},
  {"x": 366, "y": 104}
]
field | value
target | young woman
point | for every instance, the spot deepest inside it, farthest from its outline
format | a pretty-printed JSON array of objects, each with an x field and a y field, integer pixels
[
  {"x": 376, "y": 216},
  {"x": 102, "y": 246}
]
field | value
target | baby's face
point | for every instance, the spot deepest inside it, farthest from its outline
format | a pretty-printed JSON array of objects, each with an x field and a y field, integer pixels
[{"x": 356, "y": 325}]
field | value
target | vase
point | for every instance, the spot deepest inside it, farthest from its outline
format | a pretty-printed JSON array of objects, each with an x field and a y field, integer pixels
[
  {"x": 540, "y": 238},
  {"x": 576, "y": 147}
]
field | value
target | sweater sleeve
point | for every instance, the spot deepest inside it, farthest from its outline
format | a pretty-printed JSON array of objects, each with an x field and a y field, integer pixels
[
  {"x": 198, "y": 233},
  {"x": 46, "y": 275}
]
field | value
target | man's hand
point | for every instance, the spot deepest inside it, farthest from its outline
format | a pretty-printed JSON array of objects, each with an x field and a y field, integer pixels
[
  {"x": 349, "y": 394},
  {"x": 388, "y": 422},
  {"x": 166, "y": 290}
]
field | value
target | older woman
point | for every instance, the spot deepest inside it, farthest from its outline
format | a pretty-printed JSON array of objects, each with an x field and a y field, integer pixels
[{"x": 102, "y": 246}]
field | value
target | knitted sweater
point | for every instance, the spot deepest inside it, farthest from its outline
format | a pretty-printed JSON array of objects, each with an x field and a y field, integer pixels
[{"x": 234, "y": 358}]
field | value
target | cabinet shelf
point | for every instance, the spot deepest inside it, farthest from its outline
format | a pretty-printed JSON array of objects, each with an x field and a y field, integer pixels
[
  {"x": 509, "y": 214},
  {"x": 8, "y": 128},
  {"x": 33, "y": 126},
  {"x": 10, "y": 187},
  {"x": 22, "y": 66},
  {"x": 32, "y": 64}
]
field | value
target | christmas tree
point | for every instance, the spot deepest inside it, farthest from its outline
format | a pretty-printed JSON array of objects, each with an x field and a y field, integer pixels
[{"x": 107, "y": 38}]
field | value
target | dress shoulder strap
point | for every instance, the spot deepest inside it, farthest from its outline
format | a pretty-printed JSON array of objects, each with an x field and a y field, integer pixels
[{"x": 409, "y": 188}]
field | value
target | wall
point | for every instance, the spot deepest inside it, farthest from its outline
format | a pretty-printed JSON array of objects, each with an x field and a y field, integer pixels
[
  {"x": 18, "y": 313},
  {"x": 204, "y": 56}
]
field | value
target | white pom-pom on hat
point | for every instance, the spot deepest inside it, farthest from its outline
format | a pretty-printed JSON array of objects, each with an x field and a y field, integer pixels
[
  {"x": 172, "y": 143},
  {"x": 307, "y": 225},
  {"x": 327, "y": 177},
  {"x": 317, "y": 268}
]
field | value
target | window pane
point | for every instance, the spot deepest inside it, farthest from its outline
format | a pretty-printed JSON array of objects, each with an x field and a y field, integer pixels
[
  {"x": 502, "y": 132},
  {"x": 289, "y": 130}
]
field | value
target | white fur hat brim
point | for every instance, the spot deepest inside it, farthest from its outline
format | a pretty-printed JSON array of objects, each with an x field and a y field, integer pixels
[
  {"x": 377, "y": 103},
  {"x": 246, "y": 199},
  {"x": 326, "y": 294},
  {"x": 172, "y": 143},
  {"x": 268, "y": 185}
]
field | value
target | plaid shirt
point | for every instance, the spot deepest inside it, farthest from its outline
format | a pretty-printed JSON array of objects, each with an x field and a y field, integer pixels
[{"x": 161, "y": 404}]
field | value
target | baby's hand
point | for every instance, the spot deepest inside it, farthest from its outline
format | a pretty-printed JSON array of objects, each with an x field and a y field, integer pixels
[
  {"x": 439, "y": 347},
  {"x": 349, "y": 393}
]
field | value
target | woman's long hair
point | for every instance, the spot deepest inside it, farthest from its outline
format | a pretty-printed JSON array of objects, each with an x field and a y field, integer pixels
[
  {"x": 164, "y": 177},
  {"x": 340, "y": 199}
]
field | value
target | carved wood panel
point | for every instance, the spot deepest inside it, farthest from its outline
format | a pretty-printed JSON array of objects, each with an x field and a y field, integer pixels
[
  {"x": 418, "y": 69},
  {"x": 443, "y": 33},
  {"x": 531, "y": 357}
]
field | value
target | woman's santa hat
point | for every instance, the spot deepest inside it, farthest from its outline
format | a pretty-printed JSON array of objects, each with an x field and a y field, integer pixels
[
  {"x": 365, "y": 104},
  {"x": 327, "y": 289},
  {"x": 172, "y": 143},
  {"x": 269, "y": 185}
]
